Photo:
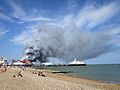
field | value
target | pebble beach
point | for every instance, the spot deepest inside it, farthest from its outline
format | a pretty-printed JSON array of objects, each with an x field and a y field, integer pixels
[{"x": 52, "y": 81}]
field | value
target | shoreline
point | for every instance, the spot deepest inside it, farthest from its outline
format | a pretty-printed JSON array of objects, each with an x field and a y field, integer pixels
[
  {"x": 52, "y": 81},
  {"x": 101, "y": 81},
  {"x": 81, "y": 77},
  {"x": 110, "y": 76},
  {"x": 104, "y": 84}
]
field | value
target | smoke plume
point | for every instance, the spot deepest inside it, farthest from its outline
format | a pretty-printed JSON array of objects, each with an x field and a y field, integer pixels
[
  {"x": 70, "y": 43},
  {"x": 79, "y": 35}
]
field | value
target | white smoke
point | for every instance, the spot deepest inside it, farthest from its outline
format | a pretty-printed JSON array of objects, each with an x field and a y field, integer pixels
[
  {"x": 73, "y": 36},
  {"x": 70, "y": 43}
]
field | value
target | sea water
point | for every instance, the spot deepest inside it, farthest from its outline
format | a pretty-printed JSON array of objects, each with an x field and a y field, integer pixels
[{"x": 106, "y": 72}]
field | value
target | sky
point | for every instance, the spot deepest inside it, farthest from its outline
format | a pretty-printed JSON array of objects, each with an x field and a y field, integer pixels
[{"x": 82, "y": 29}]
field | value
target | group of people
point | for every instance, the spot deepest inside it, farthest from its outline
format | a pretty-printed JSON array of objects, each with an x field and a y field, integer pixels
[{"x": 40, "y": 73}]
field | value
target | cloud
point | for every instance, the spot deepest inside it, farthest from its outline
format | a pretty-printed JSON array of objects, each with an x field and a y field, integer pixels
[
  {"x": 71, "y": 5},
  {"x": 23, "y": 38},
  {"x": 114, "y": 31},
  {"x": 29, "y": 19},
  {"x": 3, "y": 32},
  {"x": 23, "y": 16},
  {"x": 4, "y": 17},
  {"x": 89, "y": 16},
  {"x": 92, "y": 16}
]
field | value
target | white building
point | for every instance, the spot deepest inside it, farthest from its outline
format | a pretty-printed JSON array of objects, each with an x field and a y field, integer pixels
[
  {"x": 3, "y": 61},
  {"x": 76, "y": 62}
]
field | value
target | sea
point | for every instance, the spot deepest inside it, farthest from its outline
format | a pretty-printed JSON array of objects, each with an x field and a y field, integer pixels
[{"x": 102, "y": 72}]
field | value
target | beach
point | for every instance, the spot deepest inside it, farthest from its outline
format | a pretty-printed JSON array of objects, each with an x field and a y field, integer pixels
[{"x": 52, "y": 81}]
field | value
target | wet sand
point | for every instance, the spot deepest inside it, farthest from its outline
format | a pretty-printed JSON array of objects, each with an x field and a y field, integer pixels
[{"x": 52, "y": 81}]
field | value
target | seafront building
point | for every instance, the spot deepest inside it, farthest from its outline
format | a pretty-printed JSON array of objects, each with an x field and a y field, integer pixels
[
  {"x": 3, "y": 61},
  {"x": 30, "y": 54}
]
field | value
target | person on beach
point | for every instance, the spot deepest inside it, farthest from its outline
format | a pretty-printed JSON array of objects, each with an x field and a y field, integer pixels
[
  {"x": 14, "y": 76},
  {"x": 19, "y": 74},
  {"x": 41, "y": 74},
  {"x": 3, "y": 68},
  {"x": 34, "y": 73}
]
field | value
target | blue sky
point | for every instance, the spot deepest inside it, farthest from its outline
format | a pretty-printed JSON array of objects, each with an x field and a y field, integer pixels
[{"x": 98, "y": 21}]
